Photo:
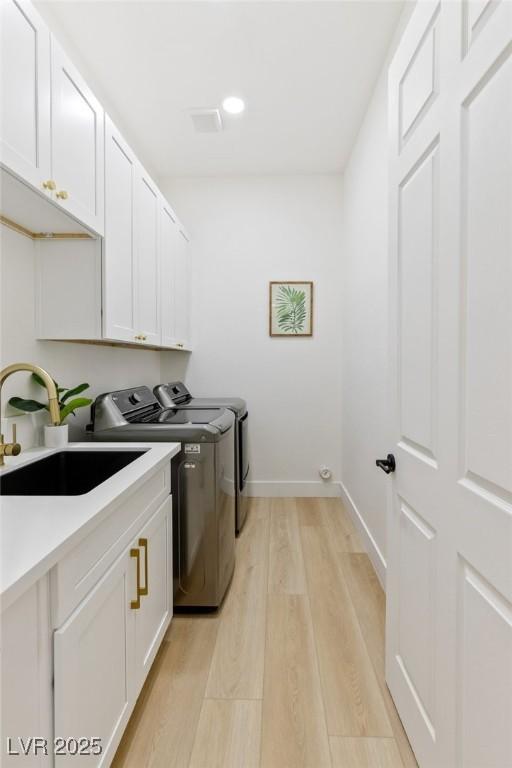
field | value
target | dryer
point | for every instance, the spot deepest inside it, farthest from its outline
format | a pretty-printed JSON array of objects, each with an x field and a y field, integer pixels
[{"x": 176, "y": 395}]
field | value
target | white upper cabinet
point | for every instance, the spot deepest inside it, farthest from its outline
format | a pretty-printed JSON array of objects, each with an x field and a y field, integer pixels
[
  {"x": 182, "y": 292},
  {"x": 25, "y": 89},
  {"x": 77, "y": 143},
  {"x": 174, "y": 280},
  {"x": 51, "y": 133},
  {"x": 56, "y": 138},
  {"x": 145, "y": 223},
  {"x": 131, "y": 295},
  {"x": 118, "y": 246},
  {"x": 168, "y": 246},
  {"x": 144, "y": 270}
]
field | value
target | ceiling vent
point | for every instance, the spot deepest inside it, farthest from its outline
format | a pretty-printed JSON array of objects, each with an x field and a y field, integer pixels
[{"x": 206, "y": 120}]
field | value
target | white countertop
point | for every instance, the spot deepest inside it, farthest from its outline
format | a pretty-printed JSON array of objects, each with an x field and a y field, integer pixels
[{"x": 37, "y": 531}]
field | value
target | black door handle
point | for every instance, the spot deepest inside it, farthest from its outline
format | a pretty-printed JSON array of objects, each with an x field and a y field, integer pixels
[{"x": 387, "y": 465}]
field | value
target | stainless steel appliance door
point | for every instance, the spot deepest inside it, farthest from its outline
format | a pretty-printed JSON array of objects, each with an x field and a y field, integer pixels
[
  {"x": 243, "y": 450},
  {"x": 225, "y": 502},
  {"x": 194, "y": 527},
  {"x": 242, "y": 471}
]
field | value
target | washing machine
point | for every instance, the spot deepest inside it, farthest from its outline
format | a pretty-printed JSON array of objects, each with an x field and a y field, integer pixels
[{"x": 202, "y": 484}]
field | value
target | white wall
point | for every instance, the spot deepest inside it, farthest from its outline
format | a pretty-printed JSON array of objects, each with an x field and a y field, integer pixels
[
  {"x": 105, "y": 368},
  {"x": 366, "y": 431},
  {"x": 246, "y": 232},
  {"x": 365, "y": 434}
]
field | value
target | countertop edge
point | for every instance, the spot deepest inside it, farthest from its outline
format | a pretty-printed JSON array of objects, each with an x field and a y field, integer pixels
[{"x": 161, "y": 453}]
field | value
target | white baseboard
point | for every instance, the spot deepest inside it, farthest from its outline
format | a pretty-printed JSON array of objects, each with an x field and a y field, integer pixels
[
  {"x": 374, "y": 553},
  {"x": 309, "y": 488}
]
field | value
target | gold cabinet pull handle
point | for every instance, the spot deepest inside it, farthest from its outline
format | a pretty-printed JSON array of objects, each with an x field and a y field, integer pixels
[
  {"x": 145, "y": 589},
  {"x": 135, "y": 604},
  {"x": 62, "y": 194},
  {"x": 49, "y": 184}
]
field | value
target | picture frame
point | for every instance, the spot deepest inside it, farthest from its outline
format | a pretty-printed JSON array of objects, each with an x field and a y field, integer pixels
[{"x": 290, "y": 308}]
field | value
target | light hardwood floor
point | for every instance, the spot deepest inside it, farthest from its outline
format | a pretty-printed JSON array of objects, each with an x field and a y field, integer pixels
[{"x": 290, "y": 672}]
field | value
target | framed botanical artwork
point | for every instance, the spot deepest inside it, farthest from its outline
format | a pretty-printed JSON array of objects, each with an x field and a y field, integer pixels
[{"x": 291, "y": 308}]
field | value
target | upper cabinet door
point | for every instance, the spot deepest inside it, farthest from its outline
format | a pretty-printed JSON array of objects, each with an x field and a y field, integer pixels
[
  {"x": 77, "y": 120},
  {"x": 25, "y": 88},
  {"x": 182, "y": 291},
  {"x": 145, "y": 222},
  {"x": 118, "y": 246},
  {"x": 168, "y": 246}
]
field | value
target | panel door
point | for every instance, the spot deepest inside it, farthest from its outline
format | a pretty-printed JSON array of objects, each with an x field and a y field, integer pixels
[
  {"x": 25, "y": 88},
  {"x": 78, "y": 157},
  {"x": 147, "y": 290},
  {"x": 449, "y": 581},
  {"x": 94, "y": 684},
  {"x": 118, "y": 245},
  {"x": 26, "y": 693},
  {"x": 182, "y": 291},
  {"x": 169, "y": 234},
  {"x": 479, "y": 187},
  {"x": 152, "y": 619}
]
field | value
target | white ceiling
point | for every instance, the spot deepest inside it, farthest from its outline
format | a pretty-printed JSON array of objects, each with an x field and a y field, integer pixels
[{"x": 305, "y": 69}]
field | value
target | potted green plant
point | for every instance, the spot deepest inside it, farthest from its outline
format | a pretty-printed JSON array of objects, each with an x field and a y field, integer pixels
[{"x": 69, "y": 402}]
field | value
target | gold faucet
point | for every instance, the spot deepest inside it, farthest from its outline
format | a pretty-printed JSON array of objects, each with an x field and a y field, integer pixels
[{"x": 14, "y": 448}]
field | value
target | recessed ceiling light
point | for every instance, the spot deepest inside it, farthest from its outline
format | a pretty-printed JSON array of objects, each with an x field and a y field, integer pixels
[{"x": 233, "y": 105}]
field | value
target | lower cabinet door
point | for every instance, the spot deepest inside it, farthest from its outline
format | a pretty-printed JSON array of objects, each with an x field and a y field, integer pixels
[
  {"x": 152, "y": 619},
  {"x": 26, "y": 680},
  {"x": 94, "y": 669}
]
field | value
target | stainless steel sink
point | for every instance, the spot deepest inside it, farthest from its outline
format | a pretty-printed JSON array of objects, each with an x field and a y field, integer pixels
[{"x": 67, "y": 473}]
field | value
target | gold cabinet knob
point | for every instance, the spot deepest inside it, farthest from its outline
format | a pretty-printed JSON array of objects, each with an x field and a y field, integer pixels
[
  {"x": 49, "y": 184},
  {"x": 140, "y": 337},
  {"x": 62, "y": 194}
]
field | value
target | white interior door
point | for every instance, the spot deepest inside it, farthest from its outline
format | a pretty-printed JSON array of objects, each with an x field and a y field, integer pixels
[
  {"x": 25, "y": 89},
  {"x": 449, "y": 581}
]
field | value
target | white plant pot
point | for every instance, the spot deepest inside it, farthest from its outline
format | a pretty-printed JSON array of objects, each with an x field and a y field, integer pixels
[{"x": 56, "y": 437}]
